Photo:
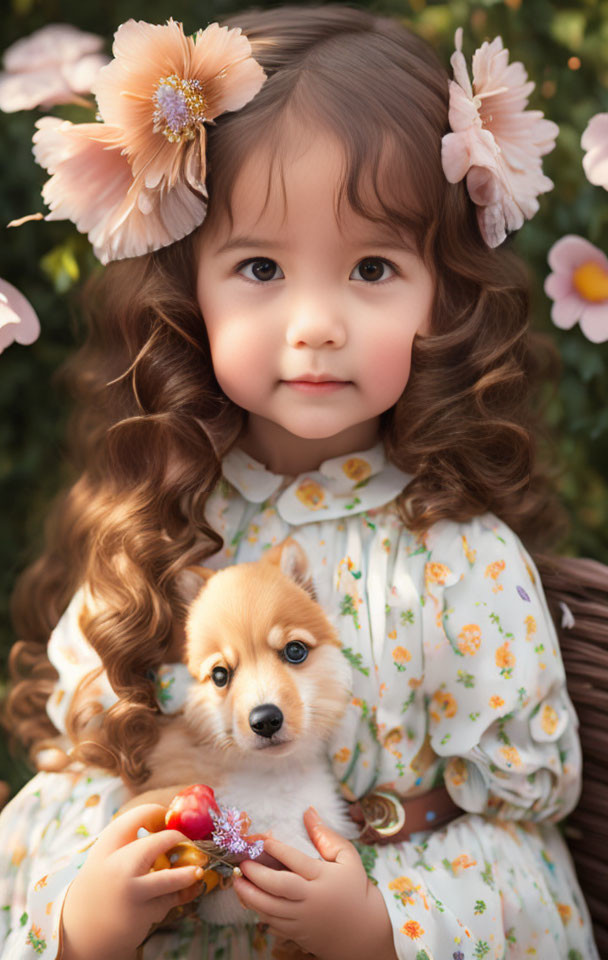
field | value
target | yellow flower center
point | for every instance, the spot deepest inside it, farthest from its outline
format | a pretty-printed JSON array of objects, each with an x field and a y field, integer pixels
[
  {"x": 591, "y": 281},
  {"x": 180, "y": 108}
]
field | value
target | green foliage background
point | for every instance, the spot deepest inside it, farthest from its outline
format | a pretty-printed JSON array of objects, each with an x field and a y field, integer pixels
[{"x": 47, "y": 261}]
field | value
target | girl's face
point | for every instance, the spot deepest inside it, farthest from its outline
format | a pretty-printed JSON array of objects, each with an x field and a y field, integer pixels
[{"x": 291, "y": 293}]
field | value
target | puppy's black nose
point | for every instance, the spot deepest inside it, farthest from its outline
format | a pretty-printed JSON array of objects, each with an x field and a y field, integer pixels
[{"x": 266, "y": 719}]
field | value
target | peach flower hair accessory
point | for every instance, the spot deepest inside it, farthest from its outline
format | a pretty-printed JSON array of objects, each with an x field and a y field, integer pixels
[
  {"x": 494, "y": 141},
  {"x": 135, "y": 182}
]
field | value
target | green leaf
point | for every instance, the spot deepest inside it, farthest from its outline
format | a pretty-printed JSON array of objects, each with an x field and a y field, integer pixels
[{"x": 61, "y": 267}]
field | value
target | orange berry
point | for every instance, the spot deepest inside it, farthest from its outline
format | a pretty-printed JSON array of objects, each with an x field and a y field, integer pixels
[
  {"x": 211, "y": 879},
  {"x": 187, "y": 855}
]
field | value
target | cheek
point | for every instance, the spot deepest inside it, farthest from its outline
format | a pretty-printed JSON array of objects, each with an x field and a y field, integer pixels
[
  {"x": 388, "y": 364},
  {"x": 239, "y": 355},
  {"x": 236, "y": 351},
  {"x": 205, "y": 714}
]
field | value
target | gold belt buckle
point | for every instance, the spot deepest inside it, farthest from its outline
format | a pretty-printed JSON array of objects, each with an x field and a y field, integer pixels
[{"x": 383, "y": 811}]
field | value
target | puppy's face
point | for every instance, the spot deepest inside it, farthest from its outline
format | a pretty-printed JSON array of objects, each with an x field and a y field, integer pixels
[{"x": 271, "y": 678}]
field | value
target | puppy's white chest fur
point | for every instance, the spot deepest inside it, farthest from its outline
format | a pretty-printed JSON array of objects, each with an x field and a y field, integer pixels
[{"x": 278, "y": 804}]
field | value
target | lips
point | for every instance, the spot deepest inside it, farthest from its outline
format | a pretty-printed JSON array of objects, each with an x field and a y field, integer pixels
[
  {"x": 318, "y": 378},
  {"x": 313, "y": 387}
]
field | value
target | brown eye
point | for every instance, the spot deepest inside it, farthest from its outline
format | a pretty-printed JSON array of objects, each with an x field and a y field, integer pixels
[
  {"x": 372, "y": 268},
  {"x": 219, "y": 675},
  {"x": 264, "y": 269},
  {"x": 261, "y": 269},
  {"x": 295, "y": 651}
]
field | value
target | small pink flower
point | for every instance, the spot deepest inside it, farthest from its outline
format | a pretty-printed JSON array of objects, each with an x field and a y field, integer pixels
[
  {"x": 51, "y": 66},
  {"x": 18, "y": 319},
  {"x": 595, "y": 142},
  {"x": 495, "y": 142},
  {"x": 579, "y": 287},
  {"x": 136, "y": 181}
]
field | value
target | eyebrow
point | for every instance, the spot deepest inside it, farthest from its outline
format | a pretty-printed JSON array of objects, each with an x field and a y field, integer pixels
[
  {"x": 243, "y": 241},
  {"x": 390, "y": 241}
]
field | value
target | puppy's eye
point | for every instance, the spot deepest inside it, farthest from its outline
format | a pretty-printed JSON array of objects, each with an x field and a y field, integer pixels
[
  {"x": 295, "y": 651},
  {"x": 219, "y": 675}
]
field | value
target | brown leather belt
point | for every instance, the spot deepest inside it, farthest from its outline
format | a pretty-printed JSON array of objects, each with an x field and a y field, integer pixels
[{"x": 388, "y": 817}]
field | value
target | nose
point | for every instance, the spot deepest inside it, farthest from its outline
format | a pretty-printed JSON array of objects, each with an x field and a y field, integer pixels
[
  {"x": 266, "y": 719},
  {"x": 314, "y": 322}
]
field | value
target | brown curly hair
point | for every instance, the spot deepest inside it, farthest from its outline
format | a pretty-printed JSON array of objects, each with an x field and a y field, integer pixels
[{"x": 151, "y": 424}]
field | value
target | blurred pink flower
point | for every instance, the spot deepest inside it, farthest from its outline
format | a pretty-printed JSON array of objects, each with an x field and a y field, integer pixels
[
  {"x": 595, "y": 142},
  {"x": 51, "y": 66},
  {"x": 18, "y": 320},
  {"x": 579, "y": 287},
  {"x": 495, "y": 142},
  {"x": 136, "y": 181}
]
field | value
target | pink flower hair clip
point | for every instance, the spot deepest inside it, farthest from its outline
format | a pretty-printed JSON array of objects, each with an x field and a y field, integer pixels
[
  {"x": 135, "y": 182},
  {"x": 495, "y": 142}
]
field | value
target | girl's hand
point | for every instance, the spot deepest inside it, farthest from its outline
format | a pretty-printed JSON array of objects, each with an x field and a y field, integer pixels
[
  {"x": 327, "y": 907},
  {"x": 114, "y": 900}
]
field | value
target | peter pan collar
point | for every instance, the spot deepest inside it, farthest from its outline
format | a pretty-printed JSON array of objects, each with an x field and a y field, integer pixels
[{"x": 342, "y": 486}]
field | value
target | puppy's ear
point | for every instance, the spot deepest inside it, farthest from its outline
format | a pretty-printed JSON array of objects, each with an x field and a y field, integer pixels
[
  {"x": 191, "y": 580},
  {"x": 293, "y": 562}
]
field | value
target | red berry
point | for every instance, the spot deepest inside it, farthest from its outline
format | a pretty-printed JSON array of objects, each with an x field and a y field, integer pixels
[{"x": 189, "y": 813}]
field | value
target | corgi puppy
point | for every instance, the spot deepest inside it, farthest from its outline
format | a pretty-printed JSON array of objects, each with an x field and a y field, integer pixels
[{"x": 272, "y": 684}]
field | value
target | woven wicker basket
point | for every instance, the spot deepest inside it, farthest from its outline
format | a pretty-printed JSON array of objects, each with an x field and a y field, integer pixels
[{"x": 583, "y": 586}]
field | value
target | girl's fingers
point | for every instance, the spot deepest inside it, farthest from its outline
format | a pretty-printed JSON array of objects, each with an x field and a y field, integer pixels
[
  {"x": 276, "y": 907},
  {"x": 294, "y": 860},
  {"x": 264, "y": 858},
  {"x": 162, "y": 906},
  {"x": 280, "y": 883},
  {"x": 277, "y": 926},
  {"x": 123, "y": 829},
  {"x": 191, "y": 892},
  {"x": 163, "y": 882},
  {"x": 137, "y": 857}
]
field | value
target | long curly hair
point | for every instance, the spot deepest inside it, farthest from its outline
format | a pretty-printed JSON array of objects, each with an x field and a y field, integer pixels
[{"x": 151, "y": 424}]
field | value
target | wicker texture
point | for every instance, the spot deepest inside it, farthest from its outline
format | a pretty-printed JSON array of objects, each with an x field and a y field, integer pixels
[{"x": 582, "y": 584}]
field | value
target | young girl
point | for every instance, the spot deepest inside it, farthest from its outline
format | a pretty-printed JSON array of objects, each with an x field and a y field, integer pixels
[{"x": 340, "y": 353}]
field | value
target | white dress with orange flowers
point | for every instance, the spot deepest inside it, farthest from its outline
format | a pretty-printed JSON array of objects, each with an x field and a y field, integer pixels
[{"x": 457, "y": 675}]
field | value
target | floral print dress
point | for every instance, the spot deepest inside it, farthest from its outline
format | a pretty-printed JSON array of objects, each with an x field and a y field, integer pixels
[{"x": 457, "y": 678}]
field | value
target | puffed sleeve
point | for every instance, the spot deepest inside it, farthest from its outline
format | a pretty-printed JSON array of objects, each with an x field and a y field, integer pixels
[
  {"x": 498, "y": 707},
  {"x": 48, "y": 827},
  {"x": 45, "y": 833},
  {"x": 76, "y": 662},
  {"x": 497, "y": 881}
]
